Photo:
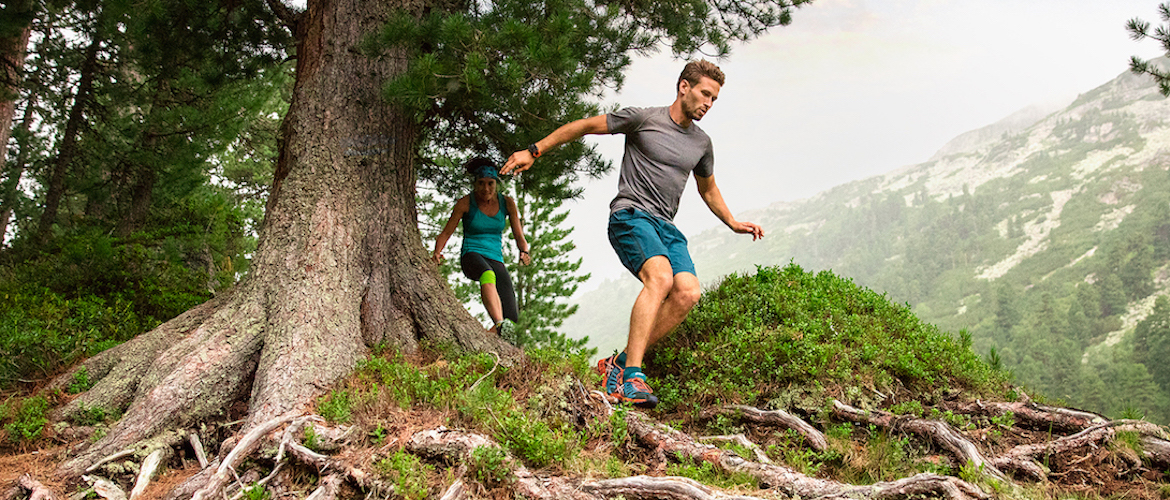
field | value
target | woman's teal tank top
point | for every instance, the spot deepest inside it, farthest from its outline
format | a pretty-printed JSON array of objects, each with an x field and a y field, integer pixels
[{"x": 483, "y": 234}]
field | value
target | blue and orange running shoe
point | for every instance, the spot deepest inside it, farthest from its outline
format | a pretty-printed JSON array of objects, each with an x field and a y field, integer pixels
[
  {"x": 611, "y": 373},
  {"x": 635, "y": 390}
]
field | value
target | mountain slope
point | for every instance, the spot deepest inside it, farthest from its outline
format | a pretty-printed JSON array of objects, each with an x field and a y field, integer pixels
[{"x": 1047, "y": 243}]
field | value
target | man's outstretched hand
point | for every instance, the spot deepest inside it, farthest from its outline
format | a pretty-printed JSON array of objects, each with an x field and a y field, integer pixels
[
  {"x": 756, "y": 231},
  {"x": 518, "y": 162}
]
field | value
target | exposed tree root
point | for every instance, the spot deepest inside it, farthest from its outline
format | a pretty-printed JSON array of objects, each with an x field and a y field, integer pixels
[
  {"x": 651, "y": 488},
  {"x": 1023, "y": 458},
  {"x": 791, "y": 482},
  {"x": 1034, "y": 416},
  {"x": 106, "y": 488},
  {"x": 937, "y": 431},
  {"x": 780, "y": 418},
  {"x": 743, "y": 441},
  {"x": 147, "y": 471},
  {"x": 36, "y": 490}
]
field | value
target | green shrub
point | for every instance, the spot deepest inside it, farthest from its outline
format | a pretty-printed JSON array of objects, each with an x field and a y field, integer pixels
[
  {"x": 90, "y": 415},
  {"x": 408, "y": 473},
  {"x": 489, "y": 465},
  {"x": 789, "y": 337},
  {"x": 81, "y": 382},
  {"x": 29, "y": 421},
  {"x": 336, "y": 406},
  {"x": 532, "y": 440},
  {"x": 706, "y": 473}
]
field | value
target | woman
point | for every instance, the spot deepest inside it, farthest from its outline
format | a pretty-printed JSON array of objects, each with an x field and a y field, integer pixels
[{"x": 481, "y": 257}]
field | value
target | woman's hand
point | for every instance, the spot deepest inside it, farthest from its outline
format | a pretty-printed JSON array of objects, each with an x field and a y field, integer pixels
[
  {"x": 525, "y": 257},
  {"x": 437, "y": 257}
]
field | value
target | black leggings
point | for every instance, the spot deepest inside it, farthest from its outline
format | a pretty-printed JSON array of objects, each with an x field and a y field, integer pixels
[{"x": 474, "y": 265}]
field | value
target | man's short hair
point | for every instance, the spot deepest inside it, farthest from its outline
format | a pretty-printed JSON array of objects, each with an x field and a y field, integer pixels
[{"x": 696, "y": 70}]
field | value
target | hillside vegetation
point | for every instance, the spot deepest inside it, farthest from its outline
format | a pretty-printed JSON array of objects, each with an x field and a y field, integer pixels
[
  {"x": 1048, "y": 242},
  {"x": 806, "y": 384}
]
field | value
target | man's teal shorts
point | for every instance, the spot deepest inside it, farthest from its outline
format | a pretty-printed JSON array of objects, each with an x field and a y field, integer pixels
[{"x": 636, "y": 236}]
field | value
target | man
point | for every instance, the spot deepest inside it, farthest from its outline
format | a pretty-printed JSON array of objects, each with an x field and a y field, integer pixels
[{"x": 663, "y": 146}]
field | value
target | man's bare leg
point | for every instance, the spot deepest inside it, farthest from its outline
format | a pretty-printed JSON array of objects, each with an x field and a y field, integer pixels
[
  {"x": 679, "y": 302},
  {"x": 664, "y": 302}
]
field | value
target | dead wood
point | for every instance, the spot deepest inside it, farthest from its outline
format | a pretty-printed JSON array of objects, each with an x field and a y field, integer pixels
[
  {"x": 105, "y": 488},
  {"x": 36, "y": 490},
  {"x": 1033, "y": 416},
  {"x": 780, "y": 418},
  {"x": 653, "y": 488},
  {"x": 790, "y": 482},
  {"x": 147, "y": 471},
  {"x": 200, "y": 453},
  {"x": 937, "y": 431},
  {"x": 454, "y": 492},
  {"x": 215, "y": 484},
  {"x": 1022, "y": 458},
  {"x": 741, "y": 440},
  {"x": 328, "y": 488}
]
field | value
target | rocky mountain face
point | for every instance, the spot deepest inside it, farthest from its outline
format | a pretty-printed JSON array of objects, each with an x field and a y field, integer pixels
[{"x": 1046, "y": 236}]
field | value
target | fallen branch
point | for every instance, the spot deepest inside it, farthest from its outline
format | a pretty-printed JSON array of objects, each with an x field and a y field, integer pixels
[
  {"x": 937, "y": 431},
  {"x": 815, "y": 438}
]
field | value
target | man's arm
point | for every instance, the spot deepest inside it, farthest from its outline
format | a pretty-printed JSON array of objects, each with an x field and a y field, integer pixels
[
  {"x": 714, "y": 200},
  {"x": 522, "y": 160}
]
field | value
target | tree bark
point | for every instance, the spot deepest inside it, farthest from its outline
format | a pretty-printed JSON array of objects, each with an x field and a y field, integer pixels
[
  {"x": 12, "y": 51},
  {"x": 340, "y": 265},
  {"x": 55, "y": 190}
]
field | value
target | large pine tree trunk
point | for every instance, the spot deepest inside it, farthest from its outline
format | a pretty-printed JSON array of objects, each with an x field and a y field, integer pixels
[{"x": 340, "y": 266}]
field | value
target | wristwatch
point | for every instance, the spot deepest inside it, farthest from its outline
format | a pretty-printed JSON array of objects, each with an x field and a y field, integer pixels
[{"x": 534, "y": 150}]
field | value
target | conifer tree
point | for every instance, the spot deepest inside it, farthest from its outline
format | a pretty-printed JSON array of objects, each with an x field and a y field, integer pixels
[
  {"x": 1140, "y": 30},
  {"x": 543, "y": 288},
  {"x": 340, "y": 265}
]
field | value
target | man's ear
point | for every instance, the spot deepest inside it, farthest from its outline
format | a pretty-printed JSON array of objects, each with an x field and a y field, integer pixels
[{"x": 683, "y": 86}]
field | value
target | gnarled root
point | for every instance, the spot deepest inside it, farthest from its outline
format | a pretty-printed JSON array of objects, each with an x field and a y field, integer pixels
[
  {"x": 1023, "y": 458},
  {"x": 938, "y": 432},
  {"x": 789, "y": 481},
  {"x": 814, "y": 438},
  {"x": 1034, "y": 416}
]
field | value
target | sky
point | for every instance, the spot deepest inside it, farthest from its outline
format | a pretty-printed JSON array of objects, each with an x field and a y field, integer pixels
[{"x": 856, "y": 88}]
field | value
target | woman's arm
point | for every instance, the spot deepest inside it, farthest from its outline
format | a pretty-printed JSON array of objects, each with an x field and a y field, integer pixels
[
  {"x": 518, "y": 231},
  {"x": 461, "y": 207}
]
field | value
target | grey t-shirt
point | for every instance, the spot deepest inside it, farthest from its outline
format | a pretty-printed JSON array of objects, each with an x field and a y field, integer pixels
[{"x": 659, "y": 158}]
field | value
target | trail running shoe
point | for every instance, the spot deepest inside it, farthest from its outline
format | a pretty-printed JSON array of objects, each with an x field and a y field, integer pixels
[
  {"x": 611, "y": 373},
  {"x": 635, "y": 390},
  {"x": 507, "y": 331}
]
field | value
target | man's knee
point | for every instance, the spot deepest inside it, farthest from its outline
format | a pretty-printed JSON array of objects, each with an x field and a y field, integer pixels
[
  {"x": 686, "y": 290},
  {"x": 686, "y": 297}
]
